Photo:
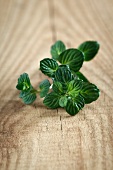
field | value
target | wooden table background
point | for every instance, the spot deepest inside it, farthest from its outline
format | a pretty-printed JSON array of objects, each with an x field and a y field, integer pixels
[{"x": 34, "y": 137}]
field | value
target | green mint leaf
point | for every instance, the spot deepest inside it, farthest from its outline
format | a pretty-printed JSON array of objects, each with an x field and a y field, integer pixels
[
  {"x": 72, "y": 57},
  {"x": 48, "y": 66},
  {"x": 90, "y": 92},
  {"x": 81, "y": 76},
  {"x": 29, "y": 96},
  {"x": 63, "y": 74},
  {"x": 75, "y": 105},
  {"x": 23, "y": 82},
  {"x": 44, "y": 87},
  {"x": 52, "y": 100},
  {"x": 90, "y": 49},
  {"x": 58, "y": 87},
  {"x": 57, "y": 49},
  {"x": 63, "y": 101},
  {"x": 74, "y": 88}
]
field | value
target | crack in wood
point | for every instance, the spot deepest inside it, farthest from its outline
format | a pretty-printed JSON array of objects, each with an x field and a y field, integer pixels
[{"x": 61, "y": 122}]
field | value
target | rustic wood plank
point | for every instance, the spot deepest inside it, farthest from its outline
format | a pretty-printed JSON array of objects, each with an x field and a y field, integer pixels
[
  {"x": 34, "y": 137},
  {"x": 24, "y": 35}
]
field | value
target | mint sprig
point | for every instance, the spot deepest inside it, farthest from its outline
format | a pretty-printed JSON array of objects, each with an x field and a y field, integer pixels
[
  {"x": 73, "y": 58},
  {"x": 24, "y": 83},
  {"x": 48, "y": 67},
  {"x": 28, "y": 93},
  {"x": 69, "y": 89},
  {"x": 57, "y": 49},
  {"x": 89, "y": 49},
  {"x": 44, "y": 88},
  {"x": 52, "y": 100}
]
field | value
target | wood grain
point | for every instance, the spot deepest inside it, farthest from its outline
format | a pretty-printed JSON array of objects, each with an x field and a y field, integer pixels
[{"x": 34, "y": 137}]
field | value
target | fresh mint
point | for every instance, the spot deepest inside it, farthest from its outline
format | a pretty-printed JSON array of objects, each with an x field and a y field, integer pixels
[
  {"x": 57, "y": 49},
  {"x": 27, "y": 93},
  {"x": 44, "y": 87},
  {"x": 69, "y": 89},
  {"x": 48, "y": 67},
  {"x": 73, "y": 58},
  {"x": 89, "y": 49}
]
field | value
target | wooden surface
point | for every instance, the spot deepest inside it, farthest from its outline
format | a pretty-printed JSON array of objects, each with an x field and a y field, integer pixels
[{"x": 34, "y": 137}]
